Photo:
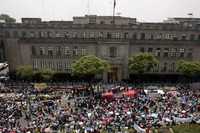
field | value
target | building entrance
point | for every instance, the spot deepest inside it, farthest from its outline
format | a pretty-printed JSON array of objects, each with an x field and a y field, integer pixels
[{"x": 113, "y": 74}]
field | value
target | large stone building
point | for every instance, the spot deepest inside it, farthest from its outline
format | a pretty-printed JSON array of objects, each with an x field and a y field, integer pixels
[{"x": 56, "y": 44}]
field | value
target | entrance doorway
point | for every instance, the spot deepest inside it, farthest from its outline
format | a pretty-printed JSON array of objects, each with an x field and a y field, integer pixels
[{"x": 113, "y": 74}]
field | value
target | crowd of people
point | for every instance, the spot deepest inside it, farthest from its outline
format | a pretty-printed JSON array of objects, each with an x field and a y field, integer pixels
[{"x": 25, "y": 109}]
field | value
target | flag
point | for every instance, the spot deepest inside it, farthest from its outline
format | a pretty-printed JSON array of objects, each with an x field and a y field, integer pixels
[{"x": 114, "y": 3}]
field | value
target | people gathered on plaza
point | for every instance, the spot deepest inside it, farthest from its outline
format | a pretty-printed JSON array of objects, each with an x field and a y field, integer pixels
[{"x": 93, "y": 108}]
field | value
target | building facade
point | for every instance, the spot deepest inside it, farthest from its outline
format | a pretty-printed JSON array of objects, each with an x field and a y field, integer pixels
[{"x": 57, "y": 44}]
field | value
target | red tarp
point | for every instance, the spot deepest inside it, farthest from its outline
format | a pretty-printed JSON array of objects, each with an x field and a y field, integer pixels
[
  {"x": 130, "y": 93},
  {"x": 107, "y": 95}
]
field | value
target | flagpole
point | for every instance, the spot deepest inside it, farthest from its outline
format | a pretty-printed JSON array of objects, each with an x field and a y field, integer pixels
[{"x": 114, "y": 11}]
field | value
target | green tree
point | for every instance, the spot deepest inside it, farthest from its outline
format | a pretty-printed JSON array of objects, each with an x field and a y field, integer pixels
[
  {"x": 188, "y": 68},
  {"x": 44, "y": 74},
  {"x": 7, "y": 18},
  {"x": 89, "y": 66},
  {"x": 141, "y": 63},
  {"x": 25, "y": 72}
]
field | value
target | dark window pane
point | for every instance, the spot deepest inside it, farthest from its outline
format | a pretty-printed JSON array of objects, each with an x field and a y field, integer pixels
[{"x": 113, "y": 51}]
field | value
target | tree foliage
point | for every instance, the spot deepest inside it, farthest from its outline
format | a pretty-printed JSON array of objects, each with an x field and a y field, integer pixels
[
  {"x": 7, "y": 18},
  {"x": 141, "y": 63},
  {"x": 25, "y": 72},
  {"x": 46, "y": 74},
  {"x": 188, "y": 68},
  {"x": 89, "y": 65}
]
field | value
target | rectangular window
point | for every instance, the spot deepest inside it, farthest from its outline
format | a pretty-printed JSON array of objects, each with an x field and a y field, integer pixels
[
  {"x": 164, "y": 67},
  {"x": 100, "y": 34},
  {"x": 58, "y": 51},
  {"x": 50, "y": 65},
  {"x": 159, "y": 36},
  {"x": 172, "y": 69},
  {"x": 42, "y": 64},
  {"x": 175, "y": 38},
  {"x": 75, "y": 51},
  {"x": 92, "y": 35},
  {"x": 59, "y": 66},
  {"x": 67, "y": 51},
  {"x": 66, "y": 35},
  {"x": 83, "y": 52},
  {"x": 183, "y": 37},
  {"x": 182, "y": 52},
  {"x": 92, "y": 20},
  {"x": 50, "y": 51},
  {"x": 113, "y": 52},
  {"x": 42, "y": 51},
  {"x": 75, "y": 35},
  {"x": 109, "y": 35},
  {"x": 51, "y": 34},
  {"x": 126, "y": 36},
  {"x": 117, "y": 35},
  {"x": 42, "y": 34},
  {"x": 32, "y": 34},
  {"x": 142, "y": 36},
  {"x": 150, "y": 50},
  {"x": 190, "y": 51},
  {"x": 157, "y": 53},
  {"x": 151, "y": 37},
  {"x": 156, "y": 68},
  {"x": 35, "y": 64},
  {"x": 166, "y": 52},
  {"x": 67, "y": 67},
  {"x": 84, "y": 35},
  {"x": 173, "y": 52}
]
